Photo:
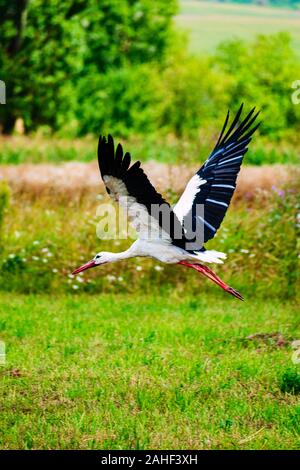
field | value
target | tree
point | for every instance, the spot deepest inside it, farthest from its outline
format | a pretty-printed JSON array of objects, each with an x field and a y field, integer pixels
[
  {"x": 46, "y": 47},
  {"x": 262, "y": 75}
]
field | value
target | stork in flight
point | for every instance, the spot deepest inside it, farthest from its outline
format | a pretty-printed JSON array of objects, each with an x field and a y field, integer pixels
[{"x": 211, "y": 188}]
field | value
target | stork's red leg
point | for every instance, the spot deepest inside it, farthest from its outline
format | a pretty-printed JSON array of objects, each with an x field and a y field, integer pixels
[{"x": 206, "y": 271}]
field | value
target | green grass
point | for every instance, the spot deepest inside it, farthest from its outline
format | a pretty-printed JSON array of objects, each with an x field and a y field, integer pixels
[
  {"x": 210, "y": 23},
  {"x": 17, "y": 150},
  {"x": 139, "y": 372}
]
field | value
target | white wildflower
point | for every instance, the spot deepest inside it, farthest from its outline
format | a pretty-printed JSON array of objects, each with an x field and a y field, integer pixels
[
  {"x": 243, "y": 250},
  {"x": 158, "y": 268},
  {"x": 75, "y": 287},
  {"x": 54, "y": 270},
  {"x": 139, "y": 268},
  {"x": 111, "y": 278}
]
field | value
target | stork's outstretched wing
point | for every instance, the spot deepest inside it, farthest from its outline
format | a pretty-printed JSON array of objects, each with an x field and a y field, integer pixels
[
  {"x": 214, "y": 184},
  {"x": 148, "y": 212}
]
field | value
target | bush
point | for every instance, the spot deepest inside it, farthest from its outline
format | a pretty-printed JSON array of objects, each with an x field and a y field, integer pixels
[
  {"x": 47, "y": 47},
  {"x": 262, "y": 75},
  {"x": 146, "y": 85},
  {"x": 122, "y": 101},
  {"x": 181, "y": 94},
  {"x": 290, "y": 382},
  {"x": 4, "y": 199},
  {"x": 196, "y": 94}
]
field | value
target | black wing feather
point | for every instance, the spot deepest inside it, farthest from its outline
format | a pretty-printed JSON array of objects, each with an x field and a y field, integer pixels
[
  {"x": 138, "y": 186},
  {"x": 220, "y": 172}
]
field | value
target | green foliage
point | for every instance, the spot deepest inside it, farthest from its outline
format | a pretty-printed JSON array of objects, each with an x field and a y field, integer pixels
[
  {"x": 4, "y": 200},
  {"x": 265, "y": 240},
  {"x": 262, "y": 75},
  {"x": 195, "y": 93},
  {"x": 290, "y": 381},
  {"x": 192, "y": 148},
  {"x": 47, "y": 48},
  {"x": 82, "y": 67},
  {"x": 125, "y": 100},
  {"x": 40, "y": 149},
  {"x": 265, "y": 154}
]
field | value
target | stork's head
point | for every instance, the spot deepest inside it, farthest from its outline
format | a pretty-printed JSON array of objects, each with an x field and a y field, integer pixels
[{"x": 100, "y": 258}]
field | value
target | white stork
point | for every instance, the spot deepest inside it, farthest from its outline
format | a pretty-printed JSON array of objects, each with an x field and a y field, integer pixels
[{"x": 212, "y": 187}]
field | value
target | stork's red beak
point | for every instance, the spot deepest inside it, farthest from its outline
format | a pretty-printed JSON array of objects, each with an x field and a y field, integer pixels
[{"x": 89, "y": 264}]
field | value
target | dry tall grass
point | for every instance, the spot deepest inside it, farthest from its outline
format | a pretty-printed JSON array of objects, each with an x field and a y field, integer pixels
[{"x": 74, "y": 180}]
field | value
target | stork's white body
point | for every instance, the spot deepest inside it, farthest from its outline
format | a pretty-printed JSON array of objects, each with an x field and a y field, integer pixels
[{"x": 163, "y": 252}]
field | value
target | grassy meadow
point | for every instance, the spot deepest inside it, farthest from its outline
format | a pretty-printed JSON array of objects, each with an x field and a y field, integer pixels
[
  {"x": 162, "y": 371},
  {"x": 140, "y": 355},
  {"x": 210, "y": 23},
  {"x": 20, "y": 149},
  {"x": 48, "y": 230}
]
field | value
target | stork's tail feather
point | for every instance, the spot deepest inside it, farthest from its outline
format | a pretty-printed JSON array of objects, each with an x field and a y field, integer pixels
[
  {"x": 206, "y": 271},
  {"x": 211, "y": 256}
]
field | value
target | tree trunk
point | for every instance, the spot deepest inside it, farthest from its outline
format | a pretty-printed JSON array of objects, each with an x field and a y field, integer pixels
[{"x": 20, "y": 24}]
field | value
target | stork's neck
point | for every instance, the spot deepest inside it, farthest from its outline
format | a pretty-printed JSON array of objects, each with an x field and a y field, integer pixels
[{"x": 122, "y": 255}]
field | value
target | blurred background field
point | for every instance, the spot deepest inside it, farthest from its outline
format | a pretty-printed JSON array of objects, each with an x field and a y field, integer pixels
[
  {"x": 160, "y": 77},
  {"x": 210, "y": 23}
]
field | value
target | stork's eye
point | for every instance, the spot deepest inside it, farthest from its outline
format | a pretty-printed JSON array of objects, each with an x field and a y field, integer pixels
[{"x": 97, "y": 257}]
